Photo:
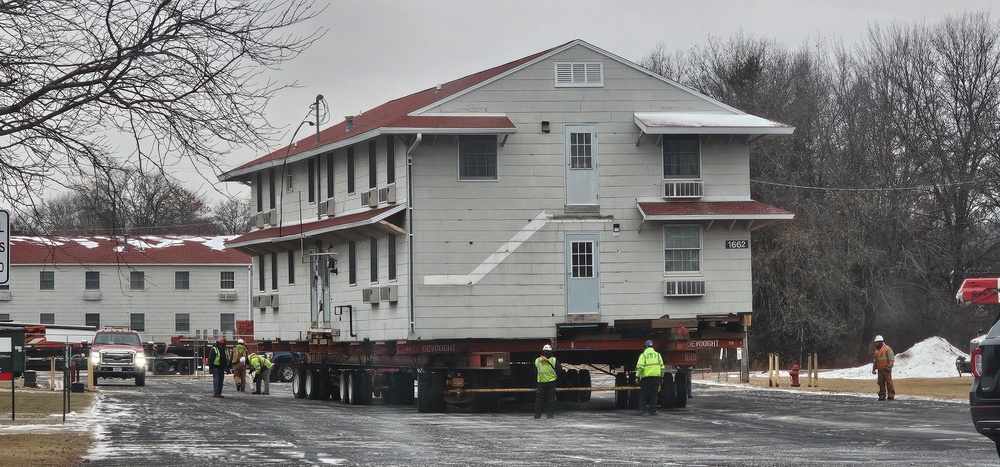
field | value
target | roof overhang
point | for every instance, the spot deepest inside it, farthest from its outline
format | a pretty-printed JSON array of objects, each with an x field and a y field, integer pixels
[
  {"x": 755, "y": 214},
  {"x": 674, "y": 123},
  {"x": 267, "y": 238}
]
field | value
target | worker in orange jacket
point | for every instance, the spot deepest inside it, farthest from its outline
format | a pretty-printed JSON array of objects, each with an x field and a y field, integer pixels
[{"x": 884, "y": 359}]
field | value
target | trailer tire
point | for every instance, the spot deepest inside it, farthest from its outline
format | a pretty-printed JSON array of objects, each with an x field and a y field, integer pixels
[
  {"x": 586, "y": 383},
  {"x": 160, "y": 367},
  {"x": 360, "y": 388},
  {"x": 345, "y": 386},
  {"x": 621, "y": 396},
  {"x": 562, "y": 381},
  {"x": 666, "y": 395},
  {"x": 438, "y": 405},
  {"x": 423, "y": 392},
  {"x": 633, "y": 396},
  {"x": 140, "y": 380},
  {"x": 681, "y": 390},
  {"x": 313, "y": 385},
  {"x": 298, "y": 385},
  {"x": 404, "y": 387},
  {"x": 185, "y": 367}
]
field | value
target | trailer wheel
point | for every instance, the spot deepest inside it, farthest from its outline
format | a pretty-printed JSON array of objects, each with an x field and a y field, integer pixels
[
  {"x": 140, "y": 380},
  {"x": 185, "y": 367},
  {"x": 403, "y": 387},
  {"x": 562, "y": 381},
  {"x": 621, "y": 396},
  {"x": 585, "y": 383},
  {"x": 345, "y": 386},
  {"x": 363, "y": 388},
  {"x": 633, "y": 396},
  {"x": 160, "y": 367},
  {"x": 423, "y": 392},
  {"x": 438, "y": 405},
  {"x": 573, "y": 381},
  {"x": 298, "y": 385},
  {"x": 666, "y": 395},
  {"x": 681, "y": 390},
  {"x": 312, "y": 385}
]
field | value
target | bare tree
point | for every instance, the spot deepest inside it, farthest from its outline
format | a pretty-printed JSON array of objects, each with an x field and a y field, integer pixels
[
  {"x": 233, "y": 216},
  {"x": 177, "y": 79}
]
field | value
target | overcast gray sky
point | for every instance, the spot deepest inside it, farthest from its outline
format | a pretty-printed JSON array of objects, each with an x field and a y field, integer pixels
[{"x": 378, "y": 50}]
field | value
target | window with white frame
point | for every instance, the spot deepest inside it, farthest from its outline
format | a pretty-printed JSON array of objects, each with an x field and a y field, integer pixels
[
  {"x": 47, "y": 318},
  {"x": 580, "y": 74},
  {"x": 681, "y": 248},
  {"x": 182, "y": 280},
  {"x": 227, "y": 322},
  {"x": 92, "y": 319},
  {"x": 47, "y": 280},
  {"x": 137, "y": 280},
  {"x": 182, "y": 322},
  {"x": 137, "y": 321},
  {"x": 92, "y": 280},
  {"x": 227, "y": 280},
  {"x": 477, "y": 157},
  {"x": 681, "y": 156}
]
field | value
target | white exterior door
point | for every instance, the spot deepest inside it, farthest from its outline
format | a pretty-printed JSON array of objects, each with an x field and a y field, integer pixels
[
  {"x": 583, "y": 286},
  {"x": 581, "y": 166}
]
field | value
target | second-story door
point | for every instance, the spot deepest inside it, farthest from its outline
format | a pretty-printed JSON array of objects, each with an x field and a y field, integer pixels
[
  {"x": 581, "y": 167},
  {"x": 583, "y": 284}
]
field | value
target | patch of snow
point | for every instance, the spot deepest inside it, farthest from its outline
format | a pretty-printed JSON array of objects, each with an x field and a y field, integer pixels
[{"x": 933, "y": 357}]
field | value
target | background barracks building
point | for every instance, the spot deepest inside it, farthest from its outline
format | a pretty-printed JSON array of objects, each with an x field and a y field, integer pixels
[
  {"x": 161, "y": 286},
  {"x": 570, "y": 189}
]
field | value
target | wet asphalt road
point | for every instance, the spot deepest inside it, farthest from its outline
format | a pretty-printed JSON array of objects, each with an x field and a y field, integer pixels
[{"x": 175, "y": 421}]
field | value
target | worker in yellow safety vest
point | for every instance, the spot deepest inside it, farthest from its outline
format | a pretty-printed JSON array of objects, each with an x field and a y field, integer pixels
[
  {"x": 547, "y": 368},
  {"x": 884, "y": 360},
  {"x": 261, "y": 366},
  {"x": 649, "y": 370},
  {"x": 239, "y": 367}
]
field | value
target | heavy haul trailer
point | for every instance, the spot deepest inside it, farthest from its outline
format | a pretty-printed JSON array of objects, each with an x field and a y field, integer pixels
[{"x": 479, "y": 372}]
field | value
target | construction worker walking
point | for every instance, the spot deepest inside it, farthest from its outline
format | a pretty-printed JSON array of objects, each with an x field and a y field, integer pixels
[
  {"x": 546, "y": 367},
  {"x": 261, "y": 367},
  {"x": 239, "y": 353},
  {"x": 884, "y": 360},
  {"x": 649, "y": 370}
]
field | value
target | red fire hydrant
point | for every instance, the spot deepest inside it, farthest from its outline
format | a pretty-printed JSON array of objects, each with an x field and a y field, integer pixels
[{"x": 794, "y": 373}]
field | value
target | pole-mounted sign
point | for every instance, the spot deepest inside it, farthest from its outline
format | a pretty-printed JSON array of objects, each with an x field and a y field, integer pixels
[{"x": 4, "y": 247}]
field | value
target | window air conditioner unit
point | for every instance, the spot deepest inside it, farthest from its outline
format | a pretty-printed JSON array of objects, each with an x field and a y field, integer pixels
[
  {"x": 389, "y": 293},
  {"x": 687, "y": 189},
  {"x": 372, "y": 197},
  {"x": 5, "y": 296},
  {"x": 255, "y": 301},
  {"x": 92, "y": 295},
  {"x": 271, "y": 218},
  {"x": 387, "y": 194},
  {"x": 258, "y": 220},
  {"x": 273, "y": 300},
  {"x": 371, "y": 295},
  {"x": 683, "y": 288},
  {"x": 227, "y": 296},
  {"x": 327, "y": 208}
]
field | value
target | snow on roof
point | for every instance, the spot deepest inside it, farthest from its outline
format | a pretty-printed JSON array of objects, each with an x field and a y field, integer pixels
[
  {"x": 655, "y": 123},
  {"x": 149, "y": 249},
  {"x": 933, "y": 357}
]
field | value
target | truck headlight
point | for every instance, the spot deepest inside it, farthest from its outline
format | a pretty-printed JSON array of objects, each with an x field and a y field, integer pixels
[
  {"x": 95, "y": 357},
  {"x": 140, "y": 360}
]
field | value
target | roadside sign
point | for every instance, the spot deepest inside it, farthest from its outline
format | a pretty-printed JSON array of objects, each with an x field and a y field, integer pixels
[{"x": 4, "y": 247}]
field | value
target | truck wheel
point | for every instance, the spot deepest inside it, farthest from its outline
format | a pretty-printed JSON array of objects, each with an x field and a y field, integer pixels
[
  {"x": 345, "y": 386},
  {"x": 185, "y": 367},
  {"x": 310, "y": 385},
  {"x": 680, "y": 390},
  {"x": 361, "y": 387},
  {"x": 621, "y": 397},
  {"x": 298, "y": 385},
  {"x": 585, "y": 383},
  {"x": 160, "y": 367},
  {"x": 666, "y": 395},
  {"x": 285, "y": 372},
  {"x": 140, "y": 380}
]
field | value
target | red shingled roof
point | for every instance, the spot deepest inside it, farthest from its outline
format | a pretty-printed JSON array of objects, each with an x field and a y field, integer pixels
[
  {"x": 395, "y": 114},
  {"x": 112, "y": 250},
  {"x": 341, "y": 222}
]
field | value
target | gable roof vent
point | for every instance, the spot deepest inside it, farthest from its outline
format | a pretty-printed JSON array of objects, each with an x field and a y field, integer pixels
[{"x": 580, "y": 74}]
